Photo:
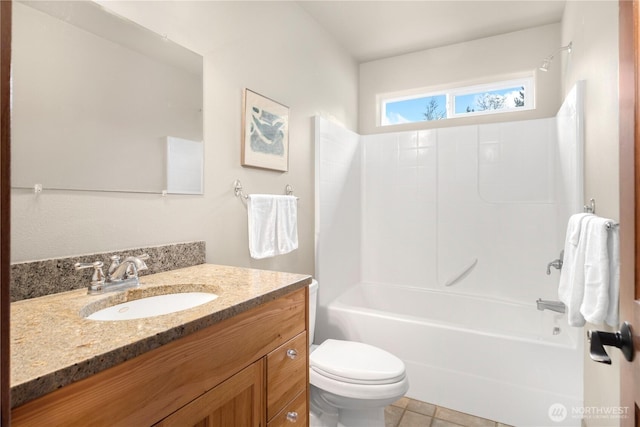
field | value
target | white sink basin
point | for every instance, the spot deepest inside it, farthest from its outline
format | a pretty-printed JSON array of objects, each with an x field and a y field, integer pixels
[{"x": 153, "y": 306}]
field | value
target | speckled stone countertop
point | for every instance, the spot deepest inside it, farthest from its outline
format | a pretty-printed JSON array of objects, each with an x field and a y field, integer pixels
[{"x": 53, "y": 345}]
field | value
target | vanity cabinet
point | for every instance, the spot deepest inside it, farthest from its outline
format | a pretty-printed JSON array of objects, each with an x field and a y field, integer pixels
[{"x": 238, "y": 372}]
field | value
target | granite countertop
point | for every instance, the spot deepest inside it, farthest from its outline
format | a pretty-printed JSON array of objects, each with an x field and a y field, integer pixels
[{"x": 53, "y": 345}]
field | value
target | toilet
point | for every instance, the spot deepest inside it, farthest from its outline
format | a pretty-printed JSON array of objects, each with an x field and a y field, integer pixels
[{"x": 351, "y": 382}]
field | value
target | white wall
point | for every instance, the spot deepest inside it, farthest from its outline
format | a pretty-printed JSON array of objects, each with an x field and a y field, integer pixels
[
  {"x": 593, "y": 28},
  {"x": 273, "y": 48},
  {"x": 474, "y": 62}
]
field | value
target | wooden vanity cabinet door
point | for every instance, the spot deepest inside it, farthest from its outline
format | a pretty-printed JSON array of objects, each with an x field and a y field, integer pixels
[
  {"x": 236, "y": 402},
  {"x": 287, "y": 371}
]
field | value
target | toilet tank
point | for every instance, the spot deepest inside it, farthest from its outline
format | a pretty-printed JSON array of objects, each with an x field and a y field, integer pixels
[{"x": 313, "y": 303}]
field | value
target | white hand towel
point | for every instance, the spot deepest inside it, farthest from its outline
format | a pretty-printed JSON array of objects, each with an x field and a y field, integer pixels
[
  {"x": 571, "y": 286},
  {"x": 601, "y": 273},
  {"x": 287, "y": 224},
  {"x": 262, "y": 214},
  {"x": 273, "y": 225},
  {"x": 612, "y": 318}
]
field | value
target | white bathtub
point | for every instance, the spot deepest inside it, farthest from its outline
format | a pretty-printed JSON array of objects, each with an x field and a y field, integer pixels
[{"x": 493, "y": 359}]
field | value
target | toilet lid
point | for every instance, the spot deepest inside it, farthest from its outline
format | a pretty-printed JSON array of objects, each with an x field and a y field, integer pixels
[{"x": 357, "y": 363}]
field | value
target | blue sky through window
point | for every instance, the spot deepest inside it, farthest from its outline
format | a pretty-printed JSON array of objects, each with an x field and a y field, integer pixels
[
  {"x": 434, "y": 107},
  {"x": 470, "y": 101},
  {"x": 413, "y": 110}
]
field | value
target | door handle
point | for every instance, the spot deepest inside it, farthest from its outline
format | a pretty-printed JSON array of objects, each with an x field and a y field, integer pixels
[{"x": 623, "y": 339}]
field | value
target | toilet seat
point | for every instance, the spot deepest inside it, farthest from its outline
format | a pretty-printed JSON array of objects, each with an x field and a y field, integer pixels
[
  {"x": 356, "y": 363},
  {"x": 358, "y": 371},
  {"x": 361, "y": 392}
]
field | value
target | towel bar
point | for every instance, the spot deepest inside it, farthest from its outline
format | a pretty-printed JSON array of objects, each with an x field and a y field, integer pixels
[
  {"x": 237, "y": 189},
  {"x": 591, "y": 208}
]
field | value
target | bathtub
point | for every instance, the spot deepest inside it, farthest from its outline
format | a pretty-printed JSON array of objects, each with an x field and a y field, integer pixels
[{"x": 499, "y": 360}]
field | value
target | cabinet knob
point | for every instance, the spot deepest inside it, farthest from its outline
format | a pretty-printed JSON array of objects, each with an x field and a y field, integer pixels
[
  {"x": 292, "y": 353},
  {"x": 292, "y": 417}
]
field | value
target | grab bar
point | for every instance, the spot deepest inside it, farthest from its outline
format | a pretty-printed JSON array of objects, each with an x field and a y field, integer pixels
[{"x": 463, "y": 273}]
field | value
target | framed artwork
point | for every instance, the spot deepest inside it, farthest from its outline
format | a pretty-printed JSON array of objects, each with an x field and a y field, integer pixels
[{"x": 265, "y": 132}]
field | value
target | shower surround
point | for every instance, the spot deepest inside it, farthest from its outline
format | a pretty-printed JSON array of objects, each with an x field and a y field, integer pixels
[{"x": 434, "y": 245}]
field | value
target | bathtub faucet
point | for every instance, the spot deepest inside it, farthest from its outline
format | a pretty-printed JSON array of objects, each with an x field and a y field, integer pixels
[
  {"x": 556, "y": 306},
  {"x": 556, "y": 263}
]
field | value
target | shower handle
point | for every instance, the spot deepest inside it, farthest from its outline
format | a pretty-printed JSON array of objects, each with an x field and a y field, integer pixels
[
  {"x": 556, "y": 263},
  {"x": 622, "y": 339}
]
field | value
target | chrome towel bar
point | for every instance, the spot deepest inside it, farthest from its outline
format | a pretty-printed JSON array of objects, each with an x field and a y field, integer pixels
[
  {"x": 238, "y": 190},
  {"x": 591, "y": 208}
]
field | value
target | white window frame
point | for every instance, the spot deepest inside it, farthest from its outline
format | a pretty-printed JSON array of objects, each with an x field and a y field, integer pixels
[{"x": 527, "y": 81}]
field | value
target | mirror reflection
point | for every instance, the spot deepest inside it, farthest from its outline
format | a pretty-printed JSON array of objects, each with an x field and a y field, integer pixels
[{"x": 95, "y": 96}]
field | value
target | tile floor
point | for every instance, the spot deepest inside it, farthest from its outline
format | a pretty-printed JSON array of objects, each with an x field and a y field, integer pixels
[{"x": 413, "y": 413}]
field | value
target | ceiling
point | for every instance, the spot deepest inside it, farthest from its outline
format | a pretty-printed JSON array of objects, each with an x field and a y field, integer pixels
[{"x": 372, "y": 30}]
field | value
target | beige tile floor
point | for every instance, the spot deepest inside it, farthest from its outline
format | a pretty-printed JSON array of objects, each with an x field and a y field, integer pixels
[{"x": 413, "y": 413}]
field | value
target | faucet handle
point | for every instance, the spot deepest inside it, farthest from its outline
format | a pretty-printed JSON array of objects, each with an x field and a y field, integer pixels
[
  {"x": 556, "y": 263},
  {"x": 140, "y": 261},
  {"x": 115, "y": 262},
  {"x": 136, "y": 264},
  {"x": 98, "y": 275},
  {"x": 84, "y": 265}
]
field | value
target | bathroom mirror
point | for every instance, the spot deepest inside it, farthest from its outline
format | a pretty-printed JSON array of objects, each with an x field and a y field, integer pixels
[{"x": 97, "y": 100}]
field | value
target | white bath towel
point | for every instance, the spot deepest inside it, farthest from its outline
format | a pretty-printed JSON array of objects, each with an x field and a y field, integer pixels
[
  {"x": 571, "y": 286},
  {"x": 261, "y": 215},
  {"x": 287, "y": 224},
  {"x": 272, "y": 225},
  {"x": 601, "y": 277}
]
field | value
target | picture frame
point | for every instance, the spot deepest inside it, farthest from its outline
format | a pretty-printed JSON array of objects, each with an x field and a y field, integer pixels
[{"x": 265, "y": 132}]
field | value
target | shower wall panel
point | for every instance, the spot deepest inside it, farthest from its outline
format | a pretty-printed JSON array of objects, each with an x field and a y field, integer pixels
[
  {"x": 399, "y": 214},
  {"x": 477, "y": 210},
  {"x": 338, "y": 207},
  {"x": 470, "y": 210}
]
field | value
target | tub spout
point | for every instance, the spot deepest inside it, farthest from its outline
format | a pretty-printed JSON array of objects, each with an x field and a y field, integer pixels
[{"x": 556, "y": 306}]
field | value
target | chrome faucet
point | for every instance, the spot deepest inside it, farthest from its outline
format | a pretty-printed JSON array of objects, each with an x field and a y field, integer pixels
[
  {"x": 129, "y": 267},
  {"x": 556, "y": 306},
  {"x": 121, "y": 275},
  {"x": 556, "y": 263}
]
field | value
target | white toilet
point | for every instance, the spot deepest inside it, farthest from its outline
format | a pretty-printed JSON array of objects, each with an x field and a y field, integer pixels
[{"x": 351, "y": 382}]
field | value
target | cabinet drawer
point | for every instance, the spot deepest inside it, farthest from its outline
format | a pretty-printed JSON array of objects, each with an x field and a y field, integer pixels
[
  {"x": 293, "y": 414},
  {"x": 286, "y": 373}
]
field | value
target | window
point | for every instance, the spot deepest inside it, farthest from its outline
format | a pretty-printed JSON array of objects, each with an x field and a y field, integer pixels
[{"x": 424, "y": 105}]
